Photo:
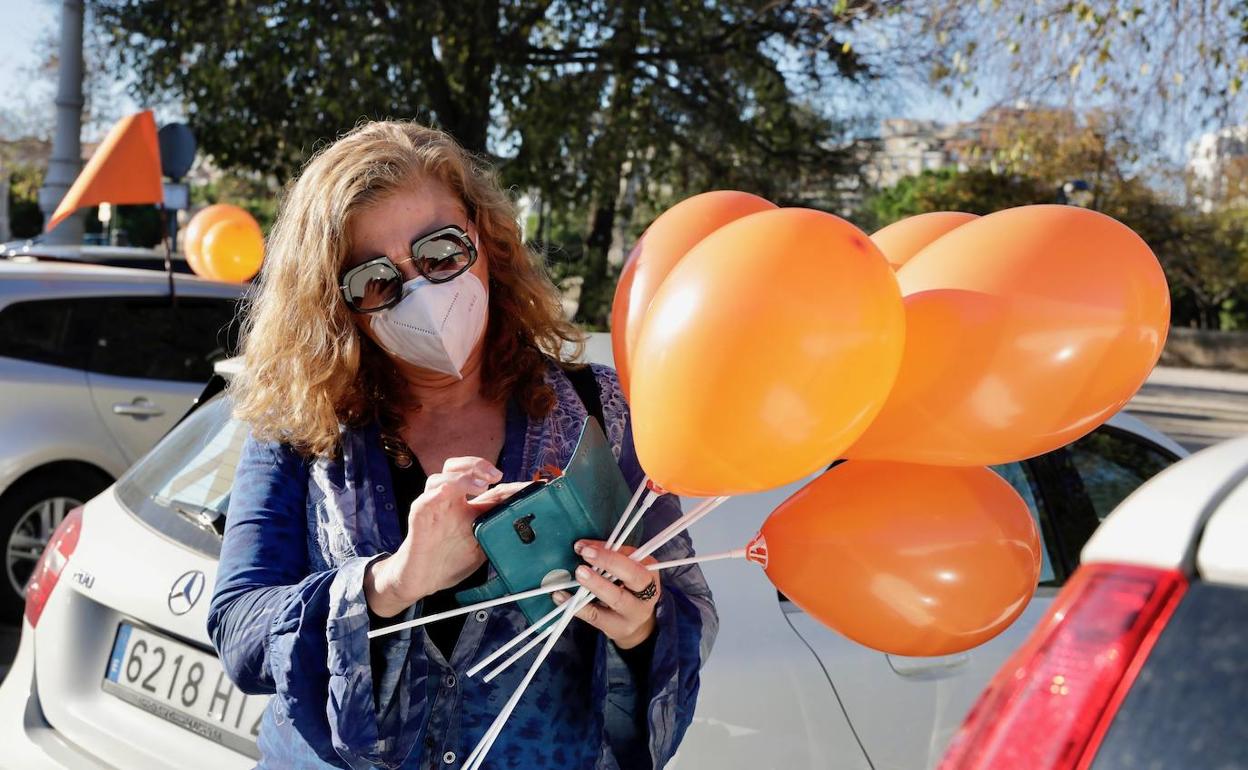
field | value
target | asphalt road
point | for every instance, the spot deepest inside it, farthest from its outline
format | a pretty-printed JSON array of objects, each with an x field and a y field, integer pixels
[{"x": 1195, "y": 407}]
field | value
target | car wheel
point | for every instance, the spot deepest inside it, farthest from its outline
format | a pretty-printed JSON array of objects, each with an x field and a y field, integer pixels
[{"x": 29, "y": 512}]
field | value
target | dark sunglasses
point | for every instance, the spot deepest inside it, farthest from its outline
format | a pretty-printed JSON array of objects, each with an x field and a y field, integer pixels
[{"x": 442, "y": 255}]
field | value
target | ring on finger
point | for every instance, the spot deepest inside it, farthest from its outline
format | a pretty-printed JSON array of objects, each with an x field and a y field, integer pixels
[{"x": 649, "y": 592}]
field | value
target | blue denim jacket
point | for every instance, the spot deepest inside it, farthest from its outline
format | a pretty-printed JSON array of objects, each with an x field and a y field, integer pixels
[{"x": 289, "y": 617}]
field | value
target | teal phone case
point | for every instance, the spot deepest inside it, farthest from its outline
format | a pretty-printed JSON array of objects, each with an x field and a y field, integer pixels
[{"x": 529, "y": 538}]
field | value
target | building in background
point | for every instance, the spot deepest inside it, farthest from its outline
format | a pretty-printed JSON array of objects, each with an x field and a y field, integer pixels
[
  {"x": 908, "y": 147},
  {"x": 1218, "y": 167}
]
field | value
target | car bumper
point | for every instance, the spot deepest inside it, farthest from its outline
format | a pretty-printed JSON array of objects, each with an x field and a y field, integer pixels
[{"x": 27, "y": 740}]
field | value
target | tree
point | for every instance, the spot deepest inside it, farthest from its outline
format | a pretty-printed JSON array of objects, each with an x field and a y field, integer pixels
[
  {"x": 1173, "y": 66},
  {"x": 577, "y": 98},
  {"x": 976, "y": 191},
  {"x": 265, "y": 82},
  {"x": 25, "y": 218}
]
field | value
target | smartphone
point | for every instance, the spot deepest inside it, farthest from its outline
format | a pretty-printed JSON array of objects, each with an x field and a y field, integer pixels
[{"x": 529, "y": 537}]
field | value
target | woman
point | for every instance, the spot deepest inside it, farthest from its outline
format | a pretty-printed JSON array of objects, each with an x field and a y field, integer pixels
[{"x": 402, "y": 374}]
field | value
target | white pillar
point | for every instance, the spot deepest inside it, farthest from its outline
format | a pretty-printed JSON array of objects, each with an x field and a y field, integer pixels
[{"x": 66, "y": 160}]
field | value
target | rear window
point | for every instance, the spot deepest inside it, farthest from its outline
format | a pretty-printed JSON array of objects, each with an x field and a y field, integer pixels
[{"x": 182, "y": 487}]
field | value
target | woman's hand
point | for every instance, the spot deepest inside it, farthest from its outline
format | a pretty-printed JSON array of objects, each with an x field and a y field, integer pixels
[
  {"x": 439, "y": 550},
  {"x": 625, "y": 619}
]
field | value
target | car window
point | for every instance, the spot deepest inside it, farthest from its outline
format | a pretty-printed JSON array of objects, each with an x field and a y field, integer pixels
[
  {"x": 182, "y": 486},
  {"x": 44, "y": 331},
  {"x": 207, "y": 333},
  {"x": 1025, "y": 484},
  {"x": 1112, "y": 464},
  {"x": 151, "y": 339}
]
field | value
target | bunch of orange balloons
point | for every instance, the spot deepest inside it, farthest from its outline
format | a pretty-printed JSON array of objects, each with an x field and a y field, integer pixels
[
  {"x": 224, "y": 243},
  {"x": 757, "y": 345}
]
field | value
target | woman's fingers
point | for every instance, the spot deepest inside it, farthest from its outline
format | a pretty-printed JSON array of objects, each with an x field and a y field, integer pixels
[
  {"x": 476, "y": 465},
  {"x": 601, "y": 617},
  {"x": 626, "y": 619},
  {"x": 634, "y": 574},
  {"x": 615, "y": 597},
  {"x": 456, "y": 485},
  {"x": 463, "y": 476},
  {"x": 497, "y": 494}
]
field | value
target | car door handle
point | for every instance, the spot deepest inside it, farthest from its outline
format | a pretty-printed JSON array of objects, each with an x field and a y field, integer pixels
[
  {"x": 928, "y": 668},
  {"x": 139, "y": 408}
]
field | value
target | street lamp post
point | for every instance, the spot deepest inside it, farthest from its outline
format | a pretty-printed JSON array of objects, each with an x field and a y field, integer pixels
[{"x": 66, "y": 160}]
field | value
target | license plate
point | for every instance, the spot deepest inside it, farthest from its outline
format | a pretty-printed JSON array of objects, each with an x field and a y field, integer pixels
[{"x": 183, "y": 685}]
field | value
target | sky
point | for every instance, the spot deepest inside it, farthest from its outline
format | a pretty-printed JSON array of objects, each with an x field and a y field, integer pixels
[
  {"x": 26, "y": 93},
  {"x": 26, "y": 21}
]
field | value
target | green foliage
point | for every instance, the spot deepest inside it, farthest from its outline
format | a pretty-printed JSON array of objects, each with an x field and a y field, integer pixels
[
  {"x": 25, "y": 218},
  {"x": 251, "y": 192},
  {"x": 265, "y": 84},
  {"x": 140, "y": 224},
  {"x": 977, "y": 191}
]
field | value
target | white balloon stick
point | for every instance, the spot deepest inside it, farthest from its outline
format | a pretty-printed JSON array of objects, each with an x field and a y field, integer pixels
[
  {"x": 542, "y": 591},
  {"x": 477, "y": 757},
  {"x": 570, "y": 608}
]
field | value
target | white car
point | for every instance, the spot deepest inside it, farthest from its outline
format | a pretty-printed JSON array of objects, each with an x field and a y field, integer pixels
[
  {"x": 1142, "y": 661},
  {"x": 96, "y": 364},
  {"x": 115, "y": 665}
]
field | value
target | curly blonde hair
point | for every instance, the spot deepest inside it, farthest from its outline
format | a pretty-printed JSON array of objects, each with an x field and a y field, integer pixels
[{"x": 307, "y": 368}]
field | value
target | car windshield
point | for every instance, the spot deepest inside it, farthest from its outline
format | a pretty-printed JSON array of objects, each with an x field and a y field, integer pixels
[{"x": 182, "y": 486}]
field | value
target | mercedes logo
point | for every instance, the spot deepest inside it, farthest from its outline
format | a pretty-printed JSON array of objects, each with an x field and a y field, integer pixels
[{"x": 186, "y": 591}]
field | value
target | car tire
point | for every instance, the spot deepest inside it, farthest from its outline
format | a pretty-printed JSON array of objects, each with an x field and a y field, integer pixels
[{"x": 29, "y": 512}]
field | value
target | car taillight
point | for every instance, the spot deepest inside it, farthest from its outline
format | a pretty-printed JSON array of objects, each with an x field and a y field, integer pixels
[
  {"x": 1051, "y": 703},
  {"x": 51, "y": 562}
]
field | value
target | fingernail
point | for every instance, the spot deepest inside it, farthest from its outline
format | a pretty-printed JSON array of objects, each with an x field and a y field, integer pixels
[
  {"x": 589, "y": 552},
  {"x": 559, "y": 597},
  {"x": 582, "y": 572},
  {"x": 577, "y": 546}
]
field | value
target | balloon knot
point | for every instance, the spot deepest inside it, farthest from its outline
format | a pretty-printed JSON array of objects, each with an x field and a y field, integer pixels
[{"x": 756, "y": 551}]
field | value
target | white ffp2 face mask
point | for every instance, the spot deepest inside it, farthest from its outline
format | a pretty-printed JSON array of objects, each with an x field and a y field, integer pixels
[{"x": 435, "y": 325}]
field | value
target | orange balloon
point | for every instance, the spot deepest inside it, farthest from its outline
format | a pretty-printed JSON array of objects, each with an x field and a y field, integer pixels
[
  {"x": 232, "y": 251},
  {"x": 619, "y": 320},
  {"x": 664, "y": 243},
  {"x": 905, "y": 559},
  {"x": 765, "y": 354},
  {"x": 1025, "y": 329},
  {"x": 906, "y": 237},
  {"x": 197, "y": 228}
]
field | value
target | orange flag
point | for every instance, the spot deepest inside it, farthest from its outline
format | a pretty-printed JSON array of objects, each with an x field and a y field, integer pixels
[{"x": 124, "y": 169}]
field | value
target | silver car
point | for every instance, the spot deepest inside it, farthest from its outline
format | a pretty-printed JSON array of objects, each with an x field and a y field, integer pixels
[
  {"x": 116, "y": 256},
  {"x": 96, "y": 364},
  {"x": 115, "y": 668}
]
